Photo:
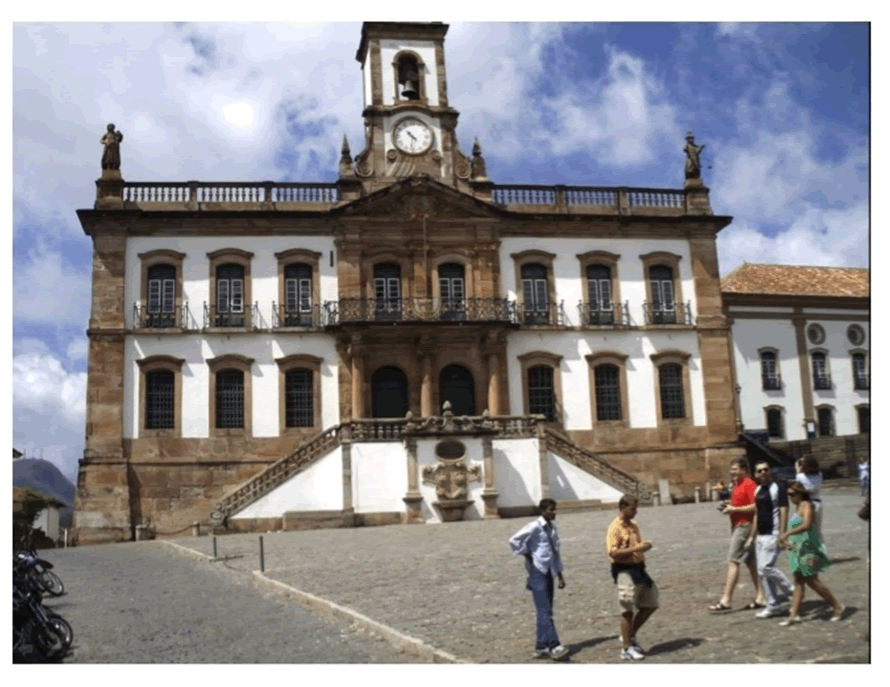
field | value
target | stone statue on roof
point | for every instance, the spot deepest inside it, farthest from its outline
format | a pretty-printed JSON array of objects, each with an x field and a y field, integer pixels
[
  {"x": 693, "y": 159},
  {"x": 111, "y": 158}
]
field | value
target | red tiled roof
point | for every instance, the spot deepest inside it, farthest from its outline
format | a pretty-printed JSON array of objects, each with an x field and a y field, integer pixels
[{"x": 797, "y": 280}]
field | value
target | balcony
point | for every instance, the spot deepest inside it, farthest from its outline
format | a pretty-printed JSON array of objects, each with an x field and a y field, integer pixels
[
  {"x": 822, "y": 383},
  {"x": 395, "y": 310},
  {"x": 667, "y": 313},
  {"x": 603, "y": 314},
  {"x": 179, "y": 318},
  {"x": 600, "y": 200},
  {"x": 228, "y": 195},
  {"x": 246, "y": 317},
  {"x": 305, "y": 317},
  {"x": 772, "y": 382},
  {"x": 552, "y": 315}
]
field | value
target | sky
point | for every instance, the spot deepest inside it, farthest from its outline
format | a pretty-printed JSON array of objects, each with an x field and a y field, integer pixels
[{"x": 782, "y": 108}]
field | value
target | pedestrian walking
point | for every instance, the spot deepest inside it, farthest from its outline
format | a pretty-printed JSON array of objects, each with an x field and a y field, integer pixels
[
  {"x": 863, "y": 476},
  {"x": 741, "y": 516},
  {"x": 770, "y": 520},
  {"x": 806, "y": 555},
  {"x": 810, "y": 477},
  {"x": 538, "y": 542},
  {"x": 626, "y": 550}
]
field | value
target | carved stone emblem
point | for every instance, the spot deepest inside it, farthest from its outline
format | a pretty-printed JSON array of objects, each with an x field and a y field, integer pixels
[{"x": 451, "y": 478}]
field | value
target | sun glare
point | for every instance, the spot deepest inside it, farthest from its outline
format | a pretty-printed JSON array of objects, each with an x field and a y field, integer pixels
[{"x": 239, "y": 114}]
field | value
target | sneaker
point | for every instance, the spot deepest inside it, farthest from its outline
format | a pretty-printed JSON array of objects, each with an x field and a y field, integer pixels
[
  {"x": 635, "y": 645},
  {"x": 769, "y": 613},
  {"x": 541, "y": 653},
  {"x": 839, "y": 615},
  {"x": 631, "y": 653},
  {"x": 558, "y": 652}
]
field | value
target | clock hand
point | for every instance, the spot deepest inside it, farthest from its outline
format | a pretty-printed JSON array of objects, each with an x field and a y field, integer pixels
[{"x": 413, "y": 138}]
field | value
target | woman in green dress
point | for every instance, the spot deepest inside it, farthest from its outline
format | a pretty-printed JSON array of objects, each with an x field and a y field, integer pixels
[{"x": 806, "y": 555}]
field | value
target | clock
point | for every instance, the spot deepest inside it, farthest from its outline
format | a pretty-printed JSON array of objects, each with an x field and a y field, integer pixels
[{"x": 412, "y": 136}]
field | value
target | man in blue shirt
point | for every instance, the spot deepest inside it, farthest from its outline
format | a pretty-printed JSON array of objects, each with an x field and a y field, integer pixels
[{"x": 539, "y": 543}]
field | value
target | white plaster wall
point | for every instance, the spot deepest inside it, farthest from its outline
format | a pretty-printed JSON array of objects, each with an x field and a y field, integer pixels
[
  {"x": 748, "y": 336},
  {"x": 389, "y": 123},
  {"x": 834, "y": 311},
  {"x": 758, "y": 308},
  {"x": 574, "y": 346},
  {"x": 842, "y": 395},
  {"x": 379, "y": 477},
  {"x": 569, "y": 483},
  {"x": 318, "y": 487},
  {"x": 196, "y": 268},
  {"x": 567, "y": 269},
  {"x": 427, "y": 51},
  {"x": 48, "y": 521},
  {"x": 517, "y": 471},
  {"x": 195, "y": 349},
  {"x": 426, "y": 455}
]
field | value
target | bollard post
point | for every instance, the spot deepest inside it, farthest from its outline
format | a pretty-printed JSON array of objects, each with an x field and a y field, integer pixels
[
  {"x": 262, "y": 558},
  {"x": 66, "y": 537},
  {"x": 214, "y": 547},
  {"x": 196, "y": 529},
  {"x": 698, "y": 494}
]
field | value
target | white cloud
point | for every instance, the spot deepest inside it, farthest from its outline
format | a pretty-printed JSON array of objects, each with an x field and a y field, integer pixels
[
  {"x": 77, "y": 349},
  {"x": 50, "y": 290},
  {"x": 737, "y": 29}
]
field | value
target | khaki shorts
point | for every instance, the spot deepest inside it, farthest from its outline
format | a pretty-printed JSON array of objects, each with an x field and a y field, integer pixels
[
  {"x": 639, "y": 595},
  {"x": 737, "y": 551}
]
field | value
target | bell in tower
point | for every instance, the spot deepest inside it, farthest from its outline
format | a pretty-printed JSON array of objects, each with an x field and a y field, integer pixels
[{"x": 409, "y": 79}]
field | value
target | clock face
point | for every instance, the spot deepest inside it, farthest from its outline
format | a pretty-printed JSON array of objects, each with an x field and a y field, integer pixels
[{"x": 412, "y": 136}]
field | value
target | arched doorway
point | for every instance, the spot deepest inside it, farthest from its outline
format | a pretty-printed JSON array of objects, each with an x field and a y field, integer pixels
[
  {"x": 389, "y": 393},
  {"x": 456, "y": 385}
]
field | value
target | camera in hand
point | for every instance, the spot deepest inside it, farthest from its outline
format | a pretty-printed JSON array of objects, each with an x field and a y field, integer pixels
[{"x": 722, "y": 506}]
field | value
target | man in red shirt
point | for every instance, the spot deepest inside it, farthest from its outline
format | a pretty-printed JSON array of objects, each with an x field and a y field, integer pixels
[{"x": 741, "y": 515}]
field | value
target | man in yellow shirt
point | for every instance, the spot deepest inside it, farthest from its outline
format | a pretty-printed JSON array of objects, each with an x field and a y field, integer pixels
[{"x": 625, "y": 547}]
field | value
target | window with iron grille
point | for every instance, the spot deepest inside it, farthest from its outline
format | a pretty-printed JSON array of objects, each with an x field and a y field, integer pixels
[
  {"x": 298, "y": 295},
  {"x": 860, "y": 378},
  {"x": 161, "y": 299},
  {"x": 661, "y": 280},
  {"x": 230, "y": 295},
  {"x": 820, "y": 372},
  {"x": 541, "y": 396},
  {"x": 768, "y": 370},
  {"x": 864, "y": 415},
  {"x": 159, "y": 400},
  {"x": 608, "y": 392},
  {"x": 775, "y": 424},
  {"x": 535, "y": 300},
  {"x": 825, "y": 418},
  {"x": 599, "y": 294},
  {"x": 670, "y": 381},
  {"x": 387, "y": 291},
  {"x": 229, "y": 399},
  {"x": 298, "y": 395},
  {"x": 451, "y": 289}
]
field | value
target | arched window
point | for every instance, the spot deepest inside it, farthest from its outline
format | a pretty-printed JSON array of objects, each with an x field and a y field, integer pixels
[
  {"x": 821, "y": 378},
  {"x": 298, "y": 295},
  {"x": 387, "y": 291},
  {"x": 229, "y": 399},
  {"x": 229, "y": 295},
  {"x": 160, "y": 400},
  {"x": 769, "y": 371},
  {"x": 860, "y": 376},
  {"x": 457, "y": 387},
  {"x": 541, "y": 396},
  {"x": 670, "y": 379},
  {"x": 298, "y": 398},
  {"x": 863, "y": 414},
  {"x": 408, "y": 77},
  {"x": 389, "y": 393},
  {"x": 161, "y": 296},
  {"x": 825, "y": 419},
  {"x": 661, "y": 282},
  {"x": 599, "y": 294},
  {"x": 608, "y": 392},
  {"x": 452, "y": 291},
  {"x": 536, "y": 304},
  {"x": 775, "y": 423}
]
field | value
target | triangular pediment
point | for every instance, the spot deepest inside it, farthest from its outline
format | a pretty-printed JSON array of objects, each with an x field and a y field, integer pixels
[{"x": 412, "y": 198}]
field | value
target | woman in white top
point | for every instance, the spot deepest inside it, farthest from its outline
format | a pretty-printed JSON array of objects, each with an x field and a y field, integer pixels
[{"x": 809, "y": 476}]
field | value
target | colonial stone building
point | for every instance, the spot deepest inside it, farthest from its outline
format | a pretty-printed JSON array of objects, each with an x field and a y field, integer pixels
[{"x": 412, "y": 343}]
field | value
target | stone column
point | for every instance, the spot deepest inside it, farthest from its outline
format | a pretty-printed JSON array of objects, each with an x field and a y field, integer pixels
[
  {"x": 803, "y": 360},
  {"x": 494, "y": 385},
  {"x": 489, "y": 493},
  {"x": 358, "y": 380},
  {"x": 543, "y": 463},
  {"x": 346, "y": 461},
  {"x": 427, "y": 407},
  {"x": 412, "y": 498}
]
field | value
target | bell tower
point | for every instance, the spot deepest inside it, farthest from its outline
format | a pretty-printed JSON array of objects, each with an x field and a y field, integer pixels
[{"x": 409, "y": 127}]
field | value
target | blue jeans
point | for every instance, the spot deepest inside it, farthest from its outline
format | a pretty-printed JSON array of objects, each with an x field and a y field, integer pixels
[
  {"x": 541, "y": 586},
  {"x": 772, "y": 579}
]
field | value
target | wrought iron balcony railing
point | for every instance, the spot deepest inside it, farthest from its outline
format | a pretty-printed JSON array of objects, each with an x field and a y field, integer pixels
[
  {"x": 667, "y": 313},
  {"x": 177, "y": 318},
  {"x": 822, "y": 382},
  {"x": 552, "y": 315},
  {"x": 860, "y": 383},
  {"x": 304, "y": 317},
  {"x": 603, "y": 314},
  {"x": 244, "y": 318},
  {"x": 350, "y": 310},
  {"x": 771, "y": 382}
]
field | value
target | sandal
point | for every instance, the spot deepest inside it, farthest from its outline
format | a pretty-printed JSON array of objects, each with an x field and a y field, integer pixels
[
  {"x": 793, "y": 620},
  {"x": 719, "y": 606},
  {"x": 754, "y": 606}
]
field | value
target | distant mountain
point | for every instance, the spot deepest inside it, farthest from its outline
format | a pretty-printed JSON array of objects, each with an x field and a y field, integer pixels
[{"x": 46, "y": 477}]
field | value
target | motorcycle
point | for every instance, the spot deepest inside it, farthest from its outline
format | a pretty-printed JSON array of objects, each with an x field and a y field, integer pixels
[
  {"x": 48, "y": 632},
  {"x": 28, "y": 563}
]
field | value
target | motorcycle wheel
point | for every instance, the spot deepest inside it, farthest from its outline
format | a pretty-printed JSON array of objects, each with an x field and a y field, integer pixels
[
  {"x": 51, "y": 582},
  {"x": 53, "y": 638}
]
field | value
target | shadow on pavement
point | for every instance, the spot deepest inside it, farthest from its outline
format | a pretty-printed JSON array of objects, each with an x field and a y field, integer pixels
[
  {"x": 849, "y": 559},
  {"x": 587, "y": 643},
  {"x": 673, "y": 645}
]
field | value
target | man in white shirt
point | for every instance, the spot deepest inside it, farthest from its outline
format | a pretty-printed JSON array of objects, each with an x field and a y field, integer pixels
[{"x": 539, "y": 543}]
